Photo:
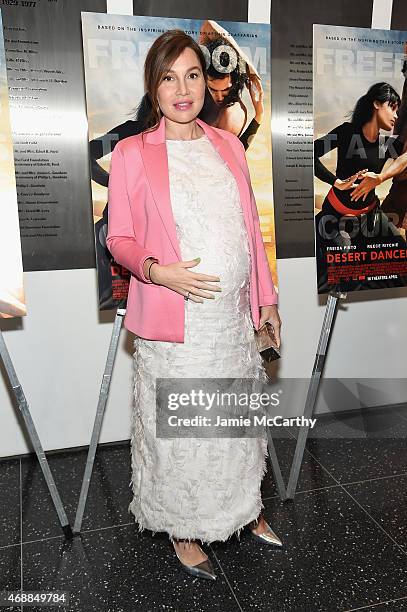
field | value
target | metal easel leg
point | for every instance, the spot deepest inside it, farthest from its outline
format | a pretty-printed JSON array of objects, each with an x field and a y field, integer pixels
[
  {"x": 35, "y": 440},
  {"x": 103, "y": 395},
  {"x": 331, "y": 308},
  {"x": 278, "y": 478}
]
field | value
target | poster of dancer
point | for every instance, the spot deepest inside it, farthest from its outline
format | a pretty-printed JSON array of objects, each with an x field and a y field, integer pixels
[
  {"x": 12, "y": 300},
  {"x": 360, "y": 158},
  {"x": 238, "y": 99}
]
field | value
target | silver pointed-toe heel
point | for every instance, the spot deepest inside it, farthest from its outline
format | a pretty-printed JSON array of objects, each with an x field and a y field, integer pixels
[
  {"x": 268, "y": 537},
  {"x": 202, "y": 570}
]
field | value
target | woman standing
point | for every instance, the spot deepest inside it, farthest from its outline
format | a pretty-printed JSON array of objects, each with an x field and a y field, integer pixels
[
  {"x": 183, "y": 220},
  {"x": 351, "y": 213}
]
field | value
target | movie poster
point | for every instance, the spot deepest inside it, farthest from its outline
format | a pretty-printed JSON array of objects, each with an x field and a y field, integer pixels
[
  {"x": 360, "y": 158},
  {"x": 238, "y": 55},
  {"x": 12, "y": 301}
]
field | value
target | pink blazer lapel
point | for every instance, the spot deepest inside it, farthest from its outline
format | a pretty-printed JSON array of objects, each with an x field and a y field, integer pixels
[{"x": 155, "y": 160}]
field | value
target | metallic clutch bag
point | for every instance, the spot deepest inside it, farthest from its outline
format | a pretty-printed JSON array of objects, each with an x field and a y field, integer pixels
[{"x": 266, "y": 342}]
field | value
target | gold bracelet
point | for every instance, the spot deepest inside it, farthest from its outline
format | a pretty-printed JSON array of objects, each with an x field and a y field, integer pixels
[{"x": 148, "y": 271}]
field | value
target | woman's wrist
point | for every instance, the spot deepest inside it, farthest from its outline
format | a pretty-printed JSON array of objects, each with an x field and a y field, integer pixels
[
  {"x": 153, "y": 278},
  {"x": 147, "y": 267}
]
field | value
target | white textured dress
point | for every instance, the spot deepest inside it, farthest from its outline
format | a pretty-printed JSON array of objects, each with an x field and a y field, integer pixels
[{"x": 205, "y": 488}]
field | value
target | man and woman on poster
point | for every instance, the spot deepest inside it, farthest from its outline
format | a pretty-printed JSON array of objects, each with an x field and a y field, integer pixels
[{"x": 352, "y": 219}]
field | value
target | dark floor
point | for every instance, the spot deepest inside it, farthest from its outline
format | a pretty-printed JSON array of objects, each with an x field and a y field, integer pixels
[{"x": 344, "y": 534}]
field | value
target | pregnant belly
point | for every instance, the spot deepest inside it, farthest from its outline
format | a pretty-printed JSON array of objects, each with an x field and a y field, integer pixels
[{"x": 231, "y": 263}]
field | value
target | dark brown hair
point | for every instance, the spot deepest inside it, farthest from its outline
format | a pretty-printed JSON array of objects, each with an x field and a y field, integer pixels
[
  {"x": 160, "y": 57},
  {"x": 379, "y": 92}
]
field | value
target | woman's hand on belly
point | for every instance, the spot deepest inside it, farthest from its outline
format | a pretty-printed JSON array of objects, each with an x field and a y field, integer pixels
[{"x": 177, "y": 277}]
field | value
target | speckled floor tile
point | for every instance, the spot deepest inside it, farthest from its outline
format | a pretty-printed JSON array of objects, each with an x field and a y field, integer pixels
[
  {"x": 10, "y": 571},
  {"x": 343, "y": 448},
  {"x": 354, "y": 460},
  {"x": 121, "y": 570},
  {"x": 386, "y": 501},
  {"x": 108, "y": 498},
  {"x": 394, "y": 605},
  {"x": 334, "y": 558},
  {"x": 9, "y": 501},
  {"x": 312, "y": 474}
]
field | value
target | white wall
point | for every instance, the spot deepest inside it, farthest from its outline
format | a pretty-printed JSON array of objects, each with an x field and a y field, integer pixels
[{"x": 59, "y": 350}]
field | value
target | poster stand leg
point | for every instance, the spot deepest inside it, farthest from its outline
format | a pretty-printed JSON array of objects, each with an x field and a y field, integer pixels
[
  {"x": 35, "y": 440},
  {"x": 327, "y": 326},
  {"x": 278, "y": 478},
  {"x": 103, "y": 395}
]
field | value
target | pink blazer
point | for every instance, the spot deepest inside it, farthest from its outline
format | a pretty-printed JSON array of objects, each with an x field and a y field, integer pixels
[{"x": 141, "y": 225}]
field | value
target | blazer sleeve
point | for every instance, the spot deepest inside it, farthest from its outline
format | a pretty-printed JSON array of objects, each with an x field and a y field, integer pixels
[
  {"x": 267, "y": 291},
  {"x": 121, "y": 237}
]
